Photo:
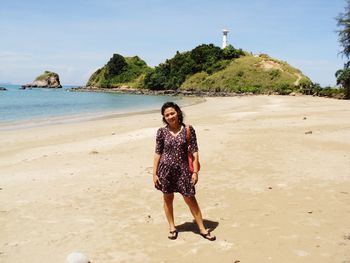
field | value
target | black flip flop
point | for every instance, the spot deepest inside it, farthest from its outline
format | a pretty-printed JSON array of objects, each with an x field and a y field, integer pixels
[
  {"x": 173, "y": 234},
  {"x": 208, "y": 236}
]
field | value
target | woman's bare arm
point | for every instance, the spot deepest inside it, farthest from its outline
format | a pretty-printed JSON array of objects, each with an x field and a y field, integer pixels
[
  {"x": 194, "y": 178},
  {"x": 155, "y": 169}
]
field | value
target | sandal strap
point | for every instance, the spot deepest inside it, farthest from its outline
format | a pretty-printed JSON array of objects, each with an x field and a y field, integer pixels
[
  {"x": 173, "y": 234},
  {"x": 208, "y": 236}
]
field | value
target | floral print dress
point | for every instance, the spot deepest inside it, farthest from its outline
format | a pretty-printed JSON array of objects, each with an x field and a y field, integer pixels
[{"x": 173, "y": 170}]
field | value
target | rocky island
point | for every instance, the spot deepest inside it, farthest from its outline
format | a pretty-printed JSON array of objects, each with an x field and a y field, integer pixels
[
  {"x": 46, "y": 80},
  {"x": 206, "y": 70}
]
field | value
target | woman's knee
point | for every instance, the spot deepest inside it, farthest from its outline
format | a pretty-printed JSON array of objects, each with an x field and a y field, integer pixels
[
  {"x": 190, "y": 200},
  {"x": 168, "y": 198}
]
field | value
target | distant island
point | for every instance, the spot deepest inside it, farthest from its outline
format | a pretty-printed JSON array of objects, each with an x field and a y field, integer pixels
[{"x": 46, "y": 80}]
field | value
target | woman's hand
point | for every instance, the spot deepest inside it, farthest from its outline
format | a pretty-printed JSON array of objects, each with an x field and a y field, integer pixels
[
  {"x": 194, "y": 179},
  {"x": 156, "y": 181}
]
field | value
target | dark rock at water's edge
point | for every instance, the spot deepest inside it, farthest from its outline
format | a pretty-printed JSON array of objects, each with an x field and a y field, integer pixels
[
  {"x": 46, "y": 80},
  {"x": 30, "y": 86},
  {"x": 194, "y": 93},
  {"x": 2, "y": 89}
]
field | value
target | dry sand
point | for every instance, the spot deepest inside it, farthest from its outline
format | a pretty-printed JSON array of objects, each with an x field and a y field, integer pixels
[{"x": 274, "y": 186}]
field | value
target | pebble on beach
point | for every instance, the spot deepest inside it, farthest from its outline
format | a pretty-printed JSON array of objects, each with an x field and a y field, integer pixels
[{"x": 77, "y": 257}]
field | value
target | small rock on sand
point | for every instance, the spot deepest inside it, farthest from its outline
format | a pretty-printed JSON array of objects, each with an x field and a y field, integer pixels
[{"x": 76, "y": 257}]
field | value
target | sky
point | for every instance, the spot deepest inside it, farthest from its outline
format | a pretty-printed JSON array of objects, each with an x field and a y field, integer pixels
[{"x": 76, "y": 37}]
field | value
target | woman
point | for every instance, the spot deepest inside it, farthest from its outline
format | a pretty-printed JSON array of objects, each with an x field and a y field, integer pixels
[{"x": 171, "y": 169}]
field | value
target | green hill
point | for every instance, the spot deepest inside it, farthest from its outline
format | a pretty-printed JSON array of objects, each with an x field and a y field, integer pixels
[
  {"x": 120, "y": 71},
  {"x": 204, "y": 68},
  {"x": 255, "y": 74}
]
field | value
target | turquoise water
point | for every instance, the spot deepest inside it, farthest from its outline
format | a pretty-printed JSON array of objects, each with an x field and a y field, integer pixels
[{"x": 42, "y": 104}]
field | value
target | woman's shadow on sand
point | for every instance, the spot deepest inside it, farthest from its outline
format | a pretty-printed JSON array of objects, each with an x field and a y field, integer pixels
[{"x": 192, "y": 226}]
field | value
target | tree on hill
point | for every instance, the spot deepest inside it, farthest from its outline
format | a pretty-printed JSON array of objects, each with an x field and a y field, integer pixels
[
  {"x": 230, "y": 52},
  {"x": 206, "y": 57},
  {"x": 116, "y": 65},
  {"x": 343, "y": 75}
]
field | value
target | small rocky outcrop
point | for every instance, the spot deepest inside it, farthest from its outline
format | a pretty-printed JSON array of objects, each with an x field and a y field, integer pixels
[
  {"x": 120, "y": 72},
  {"x": 46, "y": 80}
]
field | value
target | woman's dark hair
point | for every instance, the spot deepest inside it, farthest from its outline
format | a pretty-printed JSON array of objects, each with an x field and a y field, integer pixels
[{"x": 176, "y": 108}]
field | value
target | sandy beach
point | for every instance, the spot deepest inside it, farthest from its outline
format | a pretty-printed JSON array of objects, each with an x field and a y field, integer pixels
[{"x": 274, "y": 186}]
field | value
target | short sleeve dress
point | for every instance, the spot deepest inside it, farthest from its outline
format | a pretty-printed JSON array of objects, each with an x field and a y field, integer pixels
[{"x": 173, "y": 170}]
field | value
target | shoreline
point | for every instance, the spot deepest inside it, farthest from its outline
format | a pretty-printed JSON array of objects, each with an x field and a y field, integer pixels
[
  {"x": 90, "y": 116},
  {"x": 270, "y": 190},
  {"x": 192, "y": 93},
  {"x": 170, "y": 92}
]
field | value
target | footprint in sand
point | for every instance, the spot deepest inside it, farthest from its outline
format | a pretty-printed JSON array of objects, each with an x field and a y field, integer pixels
[{"x": 301, "y": 253}]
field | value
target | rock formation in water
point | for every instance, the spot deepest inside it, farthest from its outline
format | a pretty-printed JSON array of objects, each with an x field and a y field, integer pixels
[{"x": 46, "y": 80}]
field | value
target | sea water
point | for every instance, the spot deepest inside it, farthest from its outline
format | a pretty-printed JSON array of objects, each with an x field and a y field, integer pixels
[{"x": 40, "y": 104}]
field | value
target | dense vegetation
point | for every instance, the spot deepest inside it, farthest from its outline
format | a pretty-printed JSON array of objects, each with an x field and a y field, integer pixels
[
  {"x": 119, "y": 71},
  {"x": 331, "y": 92},
  {"x": 204, "y": 58},
  {"x": 343, "y": 75},
  {"x": 210, "y": 68}
]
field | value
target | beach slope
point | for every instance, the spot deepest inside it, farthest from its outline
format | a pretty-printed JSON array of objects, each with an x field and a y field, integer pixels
[{"x": 274, "y": 186}]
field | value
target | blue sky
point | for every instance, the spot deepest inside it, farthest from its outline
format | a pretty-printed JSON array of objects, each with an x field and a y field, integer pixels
[{"x": 76, "y": 37}]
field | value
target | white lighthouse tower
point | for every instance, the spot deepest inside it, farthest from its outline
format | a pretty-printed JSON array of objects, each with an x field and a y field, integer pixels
[{"x": 224, "y": 38}]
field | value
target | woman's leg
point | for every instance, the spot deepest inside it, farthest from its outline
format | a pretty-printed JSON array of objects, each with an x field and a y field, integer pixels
[
  {"x": 169, "y": 211},
  {"x": 192, "y": 203},
  {"x": 197, "y": 214}
]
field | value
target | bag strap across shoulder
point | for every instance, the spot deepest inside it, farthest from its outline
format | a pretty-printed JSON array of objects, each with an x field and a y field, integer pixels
[
  {"x": 188, "y": 136},
  {"x": 188, "y": 133}
]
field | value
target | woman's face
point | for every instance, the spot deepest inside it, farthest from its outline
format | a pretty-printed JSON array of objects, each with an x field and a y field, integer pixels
[{"x": 171, "y": 116}]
